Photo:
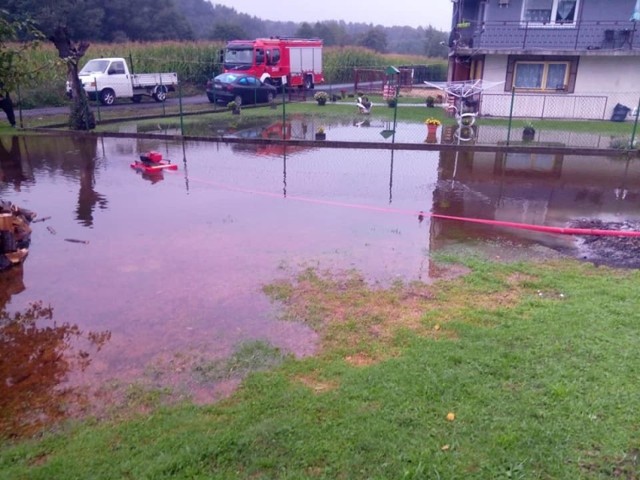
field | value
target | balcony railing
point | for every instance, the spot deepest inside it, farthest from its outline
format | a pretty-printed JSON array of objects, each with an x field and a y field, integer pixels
[{"x": 581, "y": 36}]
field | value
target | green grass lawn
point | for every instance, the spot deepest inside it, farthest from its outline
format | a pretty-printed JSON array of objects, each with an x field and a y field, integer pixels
[{"x": 537, "y": 361}]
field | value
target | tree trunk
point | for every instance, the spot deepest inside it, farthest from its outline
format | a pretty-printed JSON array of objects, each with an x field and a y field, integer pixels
[{"x": 81, "y": 117}]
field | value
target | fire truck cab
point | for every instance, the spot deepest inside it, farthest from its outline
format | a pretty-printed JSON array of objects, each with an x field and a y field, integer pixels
[{"x": 294, "y": 62}]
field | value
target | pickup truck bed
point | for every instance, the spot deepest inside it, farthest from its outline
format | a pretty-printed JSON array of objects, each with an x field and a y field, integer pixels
[{"x": 152, "y": 79}]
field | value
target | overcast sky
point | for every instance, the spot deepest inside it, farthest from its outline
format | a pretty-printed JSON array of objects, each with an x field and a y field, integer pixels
[{"x": 413, "y": 13}]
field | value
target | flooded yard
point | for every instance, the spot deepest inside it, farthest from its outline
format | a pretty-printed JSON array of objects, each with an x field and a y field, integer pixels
[{"x": 163, "y": 272}]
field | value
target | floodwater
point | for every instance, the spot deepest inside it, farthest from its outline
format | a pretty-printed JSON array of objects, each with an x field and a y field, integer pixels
[{"x": 139, "y": 277}]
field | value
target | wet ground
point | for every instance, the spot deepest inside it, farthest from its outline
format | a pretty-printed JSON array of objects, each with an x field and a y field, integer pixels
[{"x": 148, "y": 279}]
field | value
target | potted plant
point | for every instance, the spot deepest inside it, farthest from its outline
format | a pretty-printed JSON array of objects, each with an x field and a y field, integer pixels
[
  {"x": 320, "y": 134},
  {"x": 432, "y": 125},
  {"x": 234, "y": 107},
  {"x": 528, "y": 132},
  {"x": 321, "y": 97},
  {"x": 430, "y": 101}
]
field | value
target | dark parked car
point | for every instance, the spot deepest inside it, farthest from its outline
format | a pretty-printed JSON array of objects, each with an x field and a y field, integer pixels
[{"x": 240, "y": 88}]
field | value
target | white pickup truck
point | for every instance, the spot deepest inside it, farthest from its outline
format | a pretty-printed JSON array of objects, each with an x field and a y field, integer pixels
[{"x": 109, "y": 78}]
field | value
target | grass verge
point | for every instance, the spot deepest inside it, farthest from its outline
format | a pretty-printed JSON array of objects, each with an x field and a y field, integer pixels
[{"x": 537, "y": 362}]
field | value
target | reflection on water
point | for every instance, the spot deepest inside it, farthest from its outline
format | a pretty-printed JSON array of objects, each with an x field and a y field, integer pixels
[
  {"x": 14, "y": 171},
  {"x": 174, "y": 269},
  {"x": 88, "y": 198},
  {"x": 362, "y": 128},
  {"x": 36, "y": 355},
  {"x": 533, "y": 188}
]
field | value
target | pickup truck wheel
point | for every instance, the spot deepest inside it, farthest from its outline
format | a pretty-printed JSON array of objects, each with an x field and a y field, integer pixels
[
  {"x": 269, "y": 97},
  {"x": 160, "y": 94},
  {"x": 238, "y": 100},
  {"x": 107, "y": 96},
  {"x": 136, "y": 98}
]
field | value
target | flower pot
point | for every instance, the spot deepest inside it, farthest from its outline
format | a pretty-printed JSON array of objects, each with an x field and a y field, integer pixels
[
  {"x": 321, "y": 136},
  {"x": 528, "y": 134},
  {"x": 432, "y": 129},
  {"x": 431, "y": 138},
  {"x": 321, "y": 102}
]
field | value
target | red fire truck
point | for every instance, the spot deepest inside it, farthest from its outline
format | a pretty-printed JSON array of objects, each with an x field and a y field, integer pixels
[{"x": 295, "y": 62}]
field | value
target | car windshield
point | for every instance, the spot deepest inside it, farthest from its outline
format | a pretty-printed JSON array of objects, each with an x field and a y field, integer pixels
[
  {"x": 95, "y": 66},
  {"x": 239, "y": 56},
  {"x": 227, "y": 77}
]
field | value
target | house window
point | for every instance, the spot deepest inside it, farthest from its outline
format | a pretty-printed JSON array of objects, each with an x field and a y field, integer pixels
[
  {"x": 550, "y": 11},
  {"x": 541, "y": 75}
]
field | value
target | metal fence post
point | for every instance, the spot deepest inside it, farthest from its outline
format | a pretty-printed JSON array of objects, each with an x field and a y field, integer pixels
[
  {"x": 284, "y": 102},
  {"x": 513, "y": 96},
  {"x": 180, "y": 106},
  {"x": 19, "y": 104},
  {"x": 97, "y": 105},
  {"x": 635, "y": 126},
  {"x": 164, "y": 108}
]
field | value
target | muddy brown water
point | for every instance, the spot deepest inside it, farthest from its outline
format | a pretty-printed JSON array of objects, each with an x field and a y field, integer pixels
[{"x": 148, "y": 275}]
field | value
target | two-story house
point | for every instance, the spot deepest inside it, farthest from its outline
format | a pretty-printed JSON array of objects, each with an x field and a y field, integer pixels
[{"x": 561, "y": 58}]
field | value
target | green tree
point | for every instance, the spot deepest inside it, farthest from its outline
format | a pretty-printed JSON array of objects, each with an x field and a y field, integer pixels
[
  {"x": 148, "y": 20},
  {"x": 144, "y": 20},
  {"x": 435, "y": 43},
  {"x": 227, "y": 31},
  {"x": 81, "y": 116},
  {"x": 82, "y": 18},
  {"x": 325, "y": 32},
  {"x": 338, "y": 33},
  {"x": 200, "y": 14},
  {"x": 375, "y": 38},
  {"x": 12, "y": 69},
  {"x": 305, "y": 31},
  {"x": 106, "y": 20}
]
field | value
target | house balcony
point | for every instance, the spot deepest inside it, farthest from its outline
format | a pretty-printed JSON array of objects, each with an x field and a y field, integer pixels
[{"x": 584, "y": 38}]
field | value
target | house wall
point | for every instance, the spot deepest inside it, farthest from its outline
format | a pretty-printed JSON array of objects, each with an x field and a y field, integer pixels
[
  {"x": 596, "y": 93},
  {"x": 502, "y": 28},
  {"x": 590, "y": 10},
  {"x": 606, "y": 10}
]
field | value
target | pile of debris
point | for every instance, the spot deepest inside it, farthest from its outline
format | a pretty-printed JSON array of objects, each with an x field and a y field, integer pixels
[
  {"x": 614, "y": 251},
  {"x": 15, "y": 234}
]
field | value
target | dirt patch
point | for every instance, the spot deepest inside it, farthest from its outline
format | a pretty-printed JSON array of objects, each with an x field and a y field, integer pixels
[
  {"x": 317, "y": 385},
  {"x": 421, "y": 92},
  {"x": 613, "y": 251},
  {"x": 360, "y": 360}
]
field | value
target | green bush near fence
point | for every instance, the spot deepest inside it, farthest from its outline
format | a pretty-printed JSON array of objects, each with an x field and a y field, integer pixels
[{"x": 195, "y": 63}]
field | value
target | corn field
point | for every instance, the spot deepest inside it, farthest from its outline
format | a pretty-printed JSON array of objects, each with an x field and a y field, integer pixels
[{"x": 195, "y": 63}]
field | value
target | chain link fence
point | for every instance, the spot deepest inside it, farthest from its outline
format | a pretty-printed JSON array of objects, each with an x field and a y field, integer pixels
[{"x": 498, "y": 118}]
